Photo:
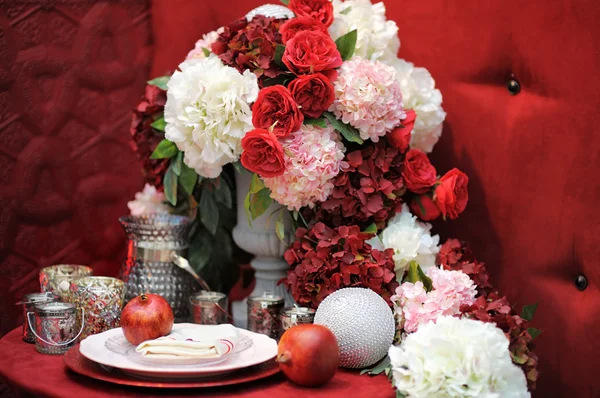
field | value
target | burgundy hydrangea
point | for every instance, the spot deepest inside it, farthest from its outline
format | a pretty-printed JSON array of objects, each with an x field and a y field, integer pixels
[
  {"x": 368, "y": 189},
  {"x": 323, "y": 260},
  {"x": 250, "y": 45},
  {"x": 491, "y": 307},
  {"x": 144, "y": 138}
]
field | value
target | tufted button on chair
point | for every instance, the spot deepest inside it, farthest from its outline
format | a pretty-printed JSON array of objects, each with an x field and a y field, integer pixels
[{"x": 514, "y": 87}]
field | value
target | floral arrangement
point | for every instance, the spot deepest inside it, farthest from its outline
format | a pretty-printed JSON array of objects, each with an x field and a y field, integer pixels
[{"x": 313, "y": 100}]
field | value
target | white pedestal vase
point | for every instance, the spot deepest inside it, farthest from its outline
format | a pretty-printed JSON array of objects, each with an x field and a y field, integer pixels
[{"x": 261, "y": 240}]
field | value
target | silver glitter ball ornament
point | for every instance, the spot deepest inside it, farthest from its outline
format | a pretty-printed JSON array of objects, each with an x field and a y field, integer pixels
[
  {"x": 361, "y": 321},
  {"x": 271, "y": 10}
]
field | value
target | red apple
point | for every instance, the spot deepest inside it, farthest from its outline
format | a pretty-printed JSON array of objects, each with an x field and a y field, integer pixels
[
  {"x": 146, "y": 317},
  {"x": 308, "y": 354}
]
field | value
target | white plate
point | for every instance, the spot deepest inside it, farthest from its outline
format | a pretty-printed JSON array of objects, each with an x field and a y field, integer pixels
[
  {"x": 93, "y": 348},
  {"x": 120, "y": 345}
]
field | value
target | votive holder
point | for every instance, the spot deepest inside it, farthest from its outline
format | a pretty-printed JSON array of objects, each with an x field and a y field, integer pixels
[
  {"x": 293, "y": 316},
  {"x": 29, "y": 302},
  {"x": 263, "y": 314},
  {"x": 100, "y": 300},
  {"x": 209, "y": 308},
  {"x": 54, "y": 326},
  {"x": 56, "y": 279}
]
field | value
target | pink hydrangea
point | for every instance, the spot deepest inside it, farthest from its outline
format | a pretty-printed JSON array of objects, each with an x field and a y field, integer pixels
[
  {"x": 313, "y": 157},
  {"x": 204, "y": 44},
  {"x": 414, "y": 306},
  {"x": 368, "y": 97}
]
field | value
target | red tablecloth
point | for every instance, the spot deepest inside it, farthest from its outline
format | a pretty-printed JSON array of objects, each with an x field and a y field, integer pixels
[{"x": 27, "y": 371}]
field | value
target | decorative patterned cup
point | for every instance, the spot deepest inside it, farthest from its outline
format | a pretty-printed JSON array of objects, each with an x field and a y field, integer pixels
[
  {"x": 55, "y": 327},
  {"x": 56, "y": 279},
  {"x": 100, "y": 300}
]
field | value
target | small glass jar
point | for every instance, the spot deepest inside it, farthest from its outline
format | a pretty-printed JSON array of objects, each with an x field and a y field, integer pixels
[
  {"x": 209, "y": 308},
  {"x": 293, "y": 316},
  {"x": 263, "y": 314}
]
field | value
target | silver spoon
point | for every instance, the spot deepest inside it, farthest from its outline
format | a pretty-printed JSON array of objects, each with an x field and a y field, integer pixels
[{"x": 185, "y": 265}]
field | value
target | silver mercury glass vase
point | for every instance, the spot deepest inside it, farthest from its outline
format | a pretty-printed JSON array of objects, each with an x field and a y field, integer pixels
[{"x": 151, "y": 239}]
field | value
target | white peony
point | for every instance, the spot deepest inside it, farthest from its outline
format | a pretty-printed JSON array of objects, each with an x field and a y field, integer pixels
[
  {"x": 377, "y": 38},
  {"x": 456, "y": 358},
  {"x": 149, "y": 201},
  {"x": 411, "y": 240},
  {"x": 208, "y": 113},
  {"x": 419, "y": 94}
]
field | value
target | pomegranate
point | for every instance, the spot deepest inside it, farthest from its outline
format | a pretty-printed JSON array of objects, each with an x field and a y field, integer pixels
[
  {"x": 146, "y": 317},
  {"x": 308, "y": 354}
]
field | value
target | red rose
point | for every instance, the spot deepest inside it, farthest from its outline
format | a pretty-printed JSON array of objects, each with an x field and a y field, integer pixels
[
  {"x": 262, "y": 153},
  {"x": 451, "y": 195},
  {"x": 321, "y": 10},
  {"x": 311, "y": 51},
  {"x": 424, "y": 207},
  {"x": 313, "y": 93},
  {"x": 419, "y": 174},
  {"x": 275, "y": 107},
  {"x": 295, "y": 25},
  {"x": 400, "y": 136}
]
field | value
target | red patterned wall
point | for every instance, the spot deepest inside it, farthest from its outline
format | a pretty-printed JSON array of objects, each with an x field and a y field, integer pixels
[{"x": 70, "y": 72}]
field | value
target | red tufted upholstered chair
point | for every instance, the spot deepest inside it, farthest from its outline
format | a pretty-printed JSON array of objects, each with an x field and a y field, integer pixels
[
  {"x": 70, "y": 73},
  {"x": 520, "y": 83}
]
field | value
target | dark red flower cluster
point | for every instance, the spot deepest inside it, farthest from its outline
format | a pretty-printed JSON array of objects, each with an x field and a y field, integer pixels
[
  {"x": 250, "y": 45},
  {"x": 144, "y": 138},
  {"x": 491, "y": 307},
  {"x": 324, "y": 259},
  {"x": 368, "y": 189},
  {"x": 457, "y": 256}
]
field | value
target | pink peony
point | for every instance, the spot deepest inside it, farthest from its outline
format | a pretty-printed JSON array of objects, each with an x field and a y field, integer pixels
[
  {"x": 368, "y": 97},
  {"x": 413, "y": 306},
  {"x": 313, "y": 157}
]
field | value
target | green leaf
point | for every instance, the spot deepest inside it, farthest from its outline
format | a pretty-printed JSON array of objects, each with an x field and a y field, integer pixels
[
  {"x": 205, "y": 51},
  {"x": 282, "y": 80},
  {"x": 201, "y": 249},
  {"x": 279, "y": 226},
  {"x": 256, "y": 184},
  {"x": 346, "y": 44},
  {"x": 223, "y": 194},
  {"x": 164, "y": 150},
  {"x": 160, "y": 82},
  {"x": 350, "y": 133},
  {"x": 279, "y": 50},
  {"x": 188, "y": 179},
  {"x": 159, "y": 124},
  {"x": 371, "y": 229},
  {"x": 260, "y": 202},
  {"x": 209, "y": 212},
  {"x": 170, "y": 184},
  {"x": 534, "y": 333},
  {"x": 346, "y": 10},
  {"x": 316, "y": 122},
  {"x": 379, "y": 368},
  {"x": 285, "y": 2},
  {"x": 427, "y": 282},
  {"x": 247, "y": 208},
  {"x": 529, "y": 311},
  {"x": 176, "y": 163},
  {"x": 238, "y": 167}
]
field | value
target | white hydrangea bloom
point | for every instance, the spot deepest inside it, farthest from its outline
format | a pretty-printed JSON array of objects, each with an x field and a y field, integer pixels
[
  {"x": 410, "y": 239},
  {"x": 148, "y": 201},
  {"x": 377, "y": 38},
  {"x": 457, "y": 358},
  {"x": 419, "y": 94},
  {"x": 208, "y": 113}
]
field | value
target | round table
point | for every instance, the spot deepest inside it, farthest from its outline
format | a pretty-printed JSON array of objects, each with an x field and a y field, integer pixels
[{"x": 28, "y": 372}]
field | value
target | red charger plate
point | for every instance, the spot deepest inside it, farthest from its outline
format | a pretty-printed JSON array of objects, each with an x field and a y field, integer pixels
[{"x": 80, "y": 364}]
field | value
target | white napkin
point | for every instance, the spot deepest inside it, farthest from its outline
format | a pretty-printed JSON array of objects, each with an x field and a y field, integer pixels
[{"x": 202, "y": 341}]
